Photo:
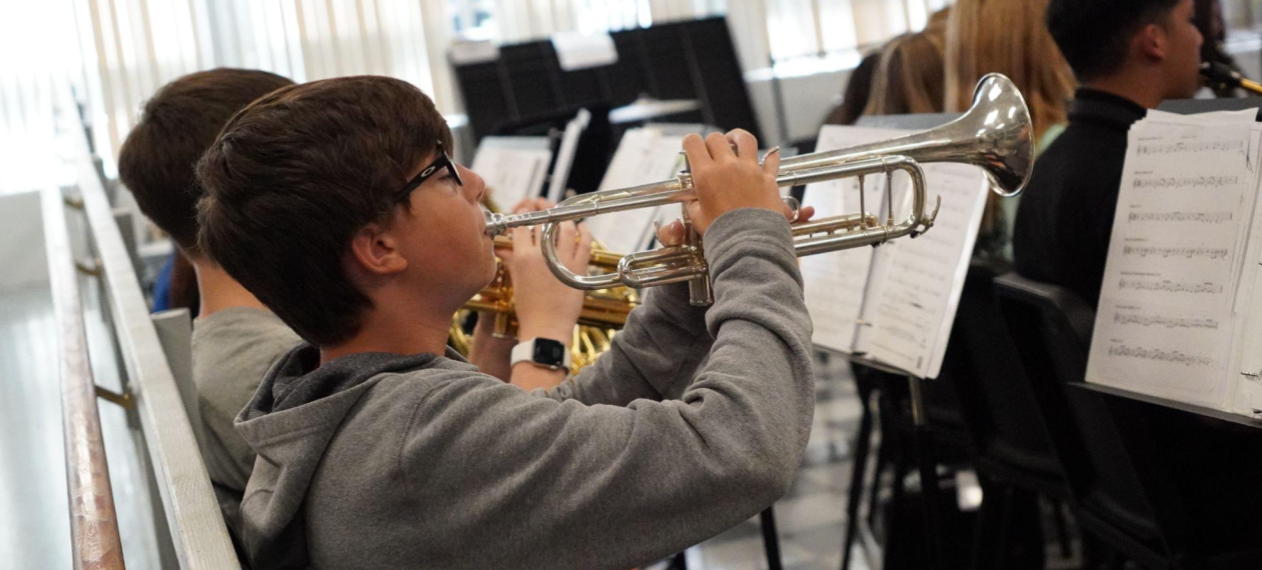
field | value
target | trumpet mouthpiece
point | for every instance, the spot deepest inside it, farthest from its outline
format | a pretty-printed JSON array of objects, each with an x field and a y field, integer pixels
[
  {"x": 1219, "y": 73},
  {"x": 495, "y": 223}
]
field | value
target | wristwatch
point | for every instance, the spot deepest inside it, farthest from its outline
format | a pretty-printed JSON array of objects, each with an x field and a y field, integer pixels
[{"x": 543, "y": 352}]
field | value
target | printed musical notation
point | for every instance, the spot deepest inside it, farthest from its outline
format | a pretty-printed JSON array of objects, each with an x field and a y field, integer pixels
[
  {"x": 1160, "y": 355},
  {"x": 1194, "y": 147},
  {"x": 1185, "y": 252},
  {"x": 1164, "y": 321},
  {"x": 1170, "y": 286},
  {"x": 1198, "y": 217},
  {"x": 1185, "y": 182}
]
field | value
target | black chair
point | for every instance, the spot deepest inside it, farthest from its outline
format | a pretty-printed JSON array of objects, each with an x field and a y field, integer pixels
[
  {"x": 1013, "y": 451},
  {"x": 1124, "y": 492}
]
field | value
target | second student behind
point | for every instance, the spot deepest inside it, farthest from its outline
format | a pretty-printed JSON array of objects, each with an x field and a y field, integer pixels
[{"x": 335, "y": 203}]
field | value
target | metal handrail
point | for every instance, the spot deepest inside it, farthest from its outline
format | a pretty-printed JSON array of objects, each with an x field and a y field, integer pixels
[
  {"x": 93, "y": 521},
  {"x": 198, "y": 534}
]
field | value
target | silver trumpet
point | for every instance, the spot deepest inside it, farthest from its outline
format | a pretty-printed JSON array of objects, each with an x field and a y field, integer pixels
[{"x": 995, "y": 134}]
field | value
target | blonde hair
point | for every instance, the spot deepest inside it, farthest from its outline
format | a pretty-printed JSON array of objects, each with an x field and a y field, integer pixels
[{"x": 1008, "y": 37}]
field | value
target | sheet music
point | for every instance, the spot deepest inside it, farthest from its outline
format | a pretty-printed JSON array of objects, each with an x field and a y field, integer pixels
[
  {"x": 916, "y": 301},
  {"x": 1245, "y": 374},
  {"x": 1165, "y": 325},
  {"x": 644, "y": 156},
  {"x": 836, "y": 282},
  {"x": 513, "y": 167}
]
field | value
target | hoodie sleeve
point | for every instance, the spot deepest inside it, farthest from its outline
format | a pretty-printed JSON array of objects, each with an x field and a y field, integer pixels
[
  {"x": 558, "y": 483},
  {"x": 654, "y": 355}
]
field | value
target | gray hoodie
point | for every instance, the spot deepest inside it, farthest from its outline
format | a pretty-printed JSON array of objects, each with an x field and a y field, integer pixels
[{"x": 389, "y": 461}]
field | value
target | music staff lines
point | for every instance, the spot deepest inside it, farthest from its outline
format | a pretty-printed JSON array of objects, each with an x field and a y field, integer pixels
[
  {"x": 1197, "y": 217},
  {"x": 1171, "y": 286},
  {"x": 1164, "y": 321},
  {"x": 1160, "y": 355},
  {"x": 1191, "y": 147},
  {"x": 1185, "y": 182},
  {"x": 1184, "y": 252}
]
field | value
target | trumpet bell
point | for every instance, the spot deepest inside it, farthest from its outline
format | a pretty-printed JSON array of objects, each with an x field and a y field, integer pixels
[
  {"x": 995, "y": 134},
  {"x": 1005, "y": 134}
]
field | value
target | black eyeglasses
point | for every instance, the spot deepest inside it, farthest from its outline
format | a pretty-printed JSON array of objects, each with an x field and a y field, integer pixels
[{"x": 443, "y": 161}]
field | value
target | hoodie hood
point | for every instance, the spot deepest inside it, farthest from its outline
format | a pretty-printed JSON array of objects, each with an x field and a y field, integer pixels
[{"x": 297, "y": 409}]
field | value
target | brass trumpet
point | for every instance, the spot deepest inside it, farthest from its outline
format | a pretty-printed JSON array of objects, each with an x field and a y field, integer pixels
[
  {"x": 996, "y": 134},
  {"x": 606, "y": 308},
  {"x": 604, "y": 311}
]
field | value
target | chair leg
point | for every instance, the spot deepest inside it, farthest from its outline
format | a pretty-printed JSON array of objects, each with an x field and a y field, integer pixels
[
  {"x": 1005, "y": 522},
  {"x": 902, "y": 464},
  {"x": 858, "y": 474},
  {"x": 992, "y": 503},
  {"x": 770, "y": 539},
  {"x": 884, "y": 453},
  {"x": 882, "y": 461},
  {"x": 1062, "y": 528}
]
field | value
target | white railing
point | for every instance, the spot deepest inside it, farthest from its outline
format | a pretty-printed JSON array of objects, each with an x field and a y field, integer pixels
[
  {"x": 94, "y": 535},
  {"x": 197, "y": 538}
]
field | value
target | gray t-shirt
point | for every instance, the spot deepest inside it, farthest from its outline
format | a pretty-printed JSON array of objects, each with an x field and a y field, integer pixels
[{"x": 232, "y": 350}]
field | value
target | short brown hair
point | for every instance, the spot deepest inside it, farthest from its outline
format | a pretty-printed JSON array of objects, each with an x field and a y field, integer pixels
[
  {"x": 295, "y": 175},
  {"x": 177, "y": 125}
]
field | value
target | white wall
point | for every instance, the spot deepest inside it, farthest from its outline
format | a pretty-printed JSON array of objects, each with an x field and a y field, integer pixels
[{"x": 807, "y": 100}]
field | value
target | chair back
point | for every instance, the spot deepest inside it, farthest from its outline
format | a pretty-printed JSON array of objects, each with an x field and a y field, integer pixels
[
  {"x": 1050, "y": 329},
  {"x": 1010, "y": 434}
]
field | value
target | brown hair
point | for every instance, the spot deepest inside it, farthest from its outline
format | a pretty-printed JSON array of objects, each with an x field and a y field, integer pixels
[
  {"x": 177, "y": 125},
  {"x": 295, "y": 175},
  {"x": 910, "y": 77},
  {"x": 1008, "y": 37},
  {"x": 858, "y": 89}
]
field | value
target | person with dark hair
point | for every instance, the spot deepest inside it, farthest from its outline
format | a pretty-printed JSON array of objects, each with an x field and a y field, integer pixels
[
  {"x": 235, "y": 338},
  {"x": 335, "y": 202},
  {"x": 1209, "y": 20},
  {"x": 1129, "y": 56},
  {"x": 858, "y": 90}
]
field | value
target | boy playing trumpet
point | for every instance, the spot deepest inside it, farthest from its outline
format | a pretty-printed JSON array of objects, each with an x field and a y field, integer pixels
[{"x": 335, "y": 203}]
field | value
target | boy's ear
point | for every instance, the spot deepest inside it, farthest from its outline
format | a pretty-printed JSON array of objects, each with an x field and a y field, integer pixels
[
  {"x": 1150, "y": 42},
  {"x": 375, "y": 250}
]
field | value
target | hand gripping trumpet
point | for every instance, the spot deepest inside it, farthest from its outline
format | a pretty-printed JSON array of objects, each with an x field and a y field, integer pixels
[{"x": 995, "y": 134}]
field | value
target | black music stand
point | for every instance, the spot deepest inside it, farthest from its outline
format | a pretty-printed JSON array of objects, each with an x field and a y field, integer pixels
[{"x": 922, "y": 443}]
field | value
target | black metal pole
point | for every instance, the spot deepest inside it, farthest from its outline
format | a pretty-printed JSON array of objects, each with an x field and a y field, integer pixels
[{"x": 770, "y": 539}]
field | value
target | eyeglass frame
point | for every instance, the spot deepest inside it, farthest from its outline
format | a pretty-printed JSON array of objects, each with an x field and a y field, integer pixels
[{"x": 443, "y": 160}]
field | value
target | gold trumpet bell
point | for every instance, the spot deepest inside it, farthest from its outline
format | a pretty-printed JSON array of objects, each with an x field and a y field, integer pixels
[{"x": 604, "y": 310}]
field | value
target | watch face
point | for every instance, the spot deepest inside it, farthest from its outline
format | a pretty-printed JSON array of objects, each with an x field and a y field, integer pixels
[{"x": 549, "y": 352}]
